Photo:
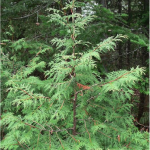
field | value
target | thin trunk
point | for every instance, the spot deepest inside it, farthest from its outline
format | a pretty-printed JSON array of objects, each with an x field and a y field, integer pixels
[
  {"x": 120, "y": 45},
  {"x": 104, "y": 3},
  {"x": 129, "y": 43},
  {"x": 141, "y": 106},
  {"x": 146, "y": 5},
  {"x": 128, "y": 55}
]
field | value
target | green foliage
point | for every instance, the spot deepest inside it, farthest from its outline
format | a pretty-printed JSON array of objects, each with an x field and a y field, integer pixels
[{"x": 73, "y": 107}]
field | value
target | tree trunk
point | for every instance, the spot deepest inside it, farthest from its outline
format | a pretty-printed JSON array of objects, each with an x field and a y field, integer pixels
[
  {"x": 129, "y": 43},
  {"x": 104, "y": 3},
  {"x": 120, "y": 45},
  {"x": 146, "y": 5},
  {"x": 141, "y": 106}
]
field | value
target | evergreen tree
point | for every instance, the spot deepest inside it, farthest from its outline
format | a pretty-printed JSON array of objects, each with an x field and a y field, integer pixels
[{"x": 73, "y": 107}]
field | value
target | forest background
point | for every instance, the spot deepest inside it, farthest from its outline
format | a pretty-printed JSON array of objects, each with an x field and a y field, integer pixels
[{"x": 48, "y": 101}]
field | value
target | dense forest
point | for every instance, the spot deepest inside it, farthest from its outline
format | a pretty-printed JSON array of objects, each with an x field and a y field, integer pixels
[{"x": 74, "y": 75}]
